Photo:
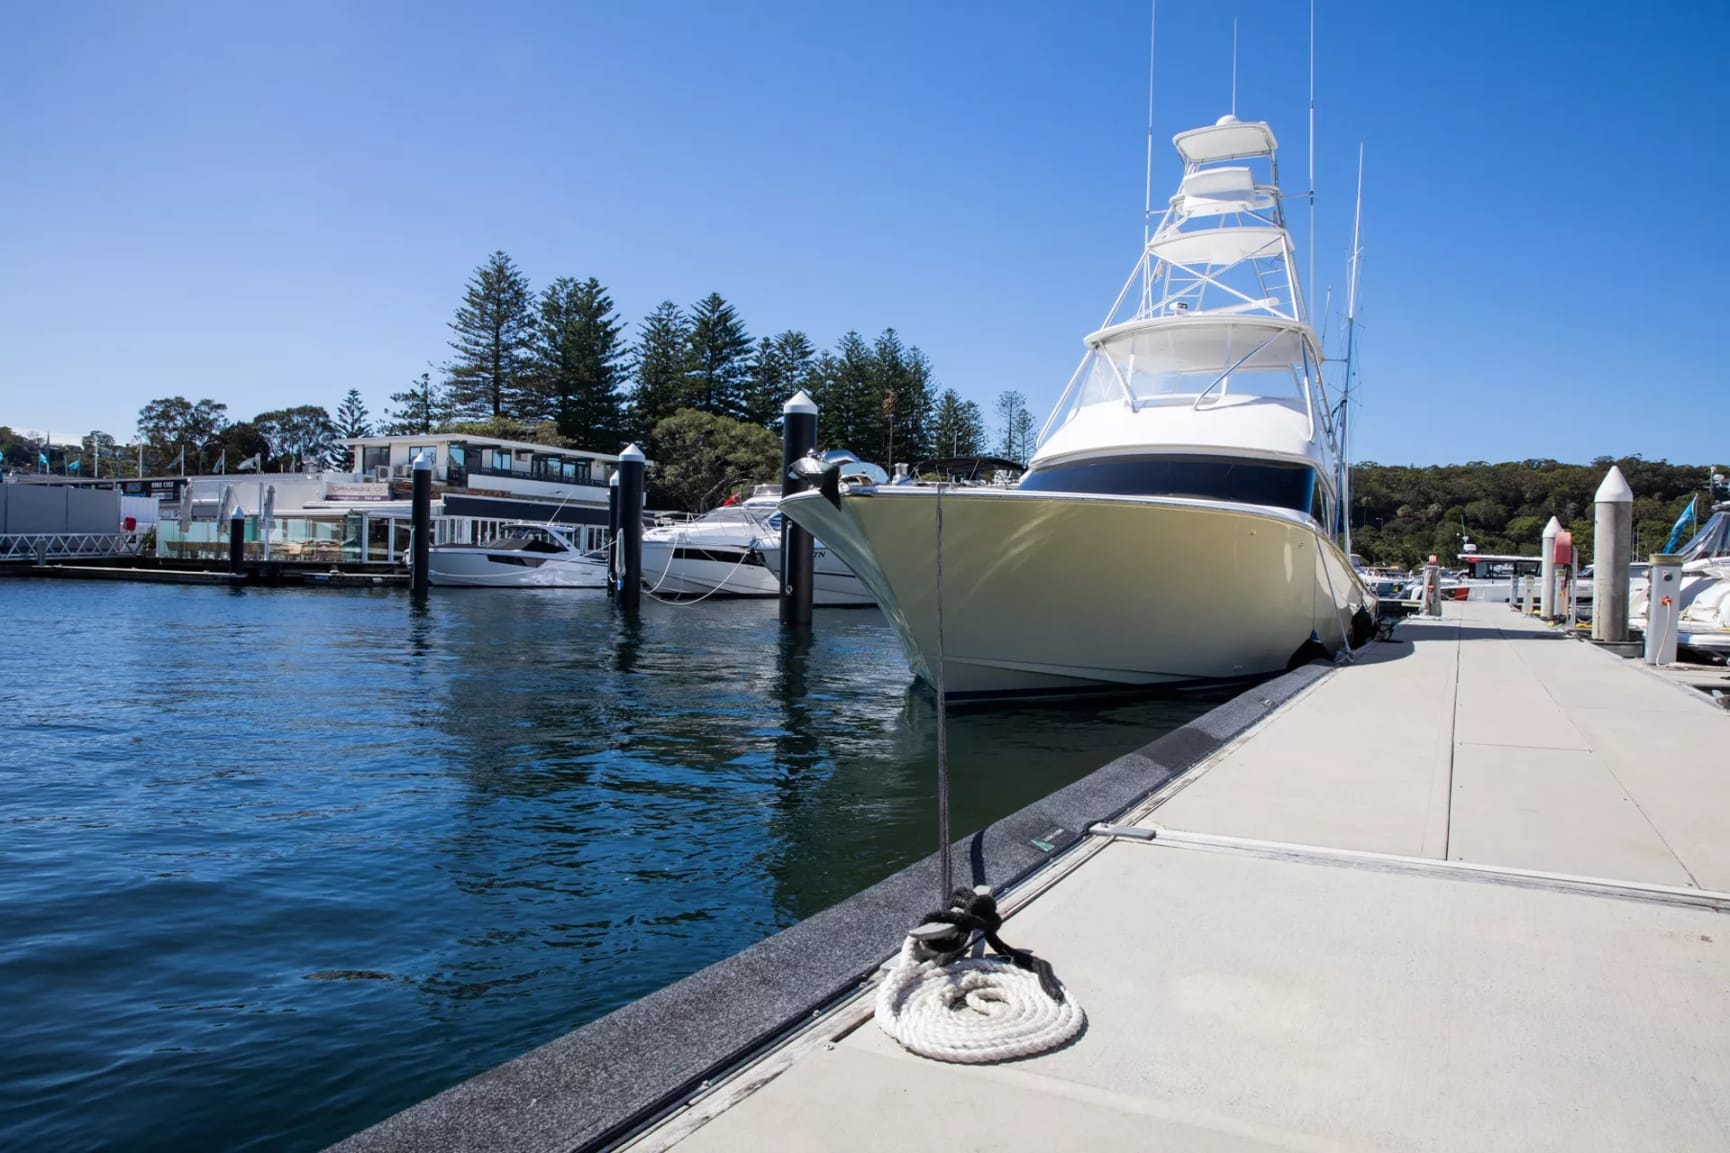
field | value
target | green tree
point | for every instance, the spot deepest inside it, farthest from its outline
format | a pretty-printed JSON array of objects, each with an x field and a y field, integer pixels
[
  {"x": 901, "y": 382},
  {"x": 718, "y": 359},
  {"x": 241, "y": 442},
  {"x": 658, "y": 368},
  {"x": 351, "y": 424},
  {"x": 172, "y": 426},
  {"x": 851, "y": 407},
  {"x": 580, "y": 363},
  {"x": 1015, "y": 426},
  {"x": 782, "y": 365},
  {"x": 495, "y": 328},
  {"x": 700, "y": 457},
  {"x": 18, "y": 450},
  {"x": 99, "y": 456},
  {"x": 423, "y": 407},
  {"x": 958, "y": 427},
  {"x": 297, "y": 436}
]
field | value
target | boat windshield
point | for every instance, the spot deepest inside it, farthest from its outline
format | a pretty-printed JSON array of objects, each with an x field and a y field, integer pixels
[
  {"x": 1205, "y": 364},
  {"x": 529, "y": 538},
  {"x": 1240, "y": 481}
]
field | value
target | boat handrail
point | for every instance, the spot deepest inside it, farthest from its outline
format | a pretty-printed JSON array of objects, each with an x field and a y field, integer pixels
[{"x": 1227, "y": 373}]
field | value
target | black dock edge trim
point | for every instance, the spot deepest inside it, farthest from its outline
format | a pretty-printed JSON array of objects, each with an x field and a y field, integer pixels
[{"x": 606, "y": 1081}]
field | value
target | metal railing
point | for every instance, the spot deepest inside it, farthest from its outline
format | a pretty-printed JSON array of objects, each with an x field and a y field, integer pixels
[{"x": 46, "y": 546}]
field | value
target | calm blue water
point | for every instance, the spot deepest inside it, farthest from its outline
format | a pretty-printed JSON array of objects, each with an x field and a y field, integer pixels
[{"x": 275, "y": 864}]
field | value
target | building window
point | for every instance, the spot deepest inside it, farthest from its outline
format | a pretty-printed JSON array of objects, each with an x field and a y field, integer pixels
[
  {"x": 374, "y": 457},
  {"x": 499, "y": 460}
]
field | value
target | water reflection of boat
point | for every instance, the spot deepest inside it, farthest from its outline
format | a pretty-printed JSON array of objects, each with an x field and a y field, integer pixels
[
  {"x": 1178, "y": 522},
  {"x": 523, "y": 556}
]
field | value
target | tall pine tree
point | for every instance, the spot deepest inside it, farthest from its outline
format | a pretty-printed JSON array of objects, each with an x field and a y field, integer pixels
[
  {"x": 658, "y": 365},
  {"x": 351, "y": 424},
  {"x": 902, "y": 383},
  {"x": 490, "y": 374},
  {"x": 719, "y": 359},
  {"x": 958, "y": 427},
  {"x": 781, "y": 366},
  {"x": 580, "y": 363},
  {"x": 424, "y": 406},
  {"x": 850, "y": 405},
  {"x": 1015, "y": 424}
]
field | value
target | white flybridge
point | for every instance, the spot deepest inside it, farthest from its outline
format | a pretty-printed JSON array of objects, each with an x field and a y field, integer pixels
[{"x": 1177, "y": 523}]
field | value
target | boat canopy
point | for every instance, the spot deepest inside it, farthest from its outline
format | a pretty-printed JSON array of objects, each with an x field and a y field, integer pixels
[
  {"x": 1229, "y": 139},
  {"x": 1713, "y": 539},
  {"x": 1149, "y": 361}
]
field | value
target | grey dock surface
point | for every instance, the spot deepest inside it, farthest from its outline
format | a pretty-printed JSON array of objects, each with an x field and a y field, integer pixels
[
  {"x": 1243, "y": 995},
  {"x": 1465, "y": 893}
]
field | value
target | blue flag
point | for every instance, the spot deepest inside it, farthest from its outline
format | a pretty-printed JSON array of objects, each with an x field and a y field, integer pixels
[
  {"x": 73, "y": 467},
  {"x": 1676, "y": 530},
  {"x": 43, "y": 458}
]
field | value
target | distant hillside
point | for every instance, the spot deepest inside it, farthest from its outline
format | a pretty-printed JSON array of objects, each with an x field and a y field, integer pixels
[{"x": 1401, "y": 515}]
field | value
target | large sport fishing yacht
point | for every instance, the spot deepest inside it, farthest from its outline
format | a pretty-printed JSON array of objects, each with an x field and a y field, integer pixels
[{"x": 1179, "y": 522}]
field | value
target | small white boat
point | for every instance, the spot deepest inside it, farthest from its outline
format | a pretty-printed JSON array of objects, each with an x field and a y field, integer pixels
[
  {"x": 833, "y": 584},
  {"x": 735, "y": 551},
  {"x": 523, "y": 556},
  {"x": 713, "y": 555}
]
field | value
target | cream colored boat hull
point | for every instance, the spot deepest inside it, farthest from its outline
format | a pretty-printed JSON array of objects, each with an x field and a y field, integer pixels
[{"x": 1053, "y": 593}]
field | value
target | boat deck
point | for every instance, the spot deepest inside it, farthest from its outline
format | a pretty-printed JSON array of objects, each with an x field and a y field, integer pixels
[{"x": 1360, "y": 927}]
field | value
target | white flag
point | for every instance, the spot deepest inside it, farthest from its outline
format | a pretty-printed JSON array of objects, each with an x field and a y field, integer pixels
[{"x": 250, "y": 462}]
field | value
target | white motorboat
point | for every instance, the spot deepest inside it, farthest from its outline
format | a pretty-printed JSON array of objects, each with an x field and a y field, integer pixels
[
  {"x": 1179, "y": 521},
  {"x": 735, "y": 551},
  {"x": 713, "y": 555},
  {"x": 522, "y": 556},
  {"x": 1703, "y": 596}
]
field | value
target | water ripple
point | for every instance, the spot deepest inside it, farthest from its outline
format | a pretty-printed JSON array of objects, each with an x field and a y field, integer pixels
[{"x": 276, "y": 864}]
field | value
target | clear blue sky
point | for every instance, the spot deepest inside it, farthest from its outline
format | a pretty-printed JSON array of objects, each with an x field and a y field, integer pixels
[{"x": 269, "y": 204}]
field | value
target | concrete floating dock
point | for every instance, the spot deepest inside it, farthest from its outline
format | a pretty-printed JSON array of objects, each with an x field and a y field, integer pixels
[{"x": 1465, "y": 893}]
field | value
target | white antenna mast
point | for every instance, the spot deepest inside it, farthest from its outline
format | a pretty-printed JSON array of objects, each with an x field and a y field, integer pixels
[
  {"x": 1147, "y": 199},
  {"x": 1234, "y": 67},
  {"x": 1351, "y": 365},
  {"x": 1310, "y": 292}
]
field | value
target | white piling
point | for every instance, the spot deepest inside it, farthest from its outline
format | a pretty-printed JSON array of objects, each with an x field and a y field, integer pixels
[
  {"x": 1547, "y": 573},
  {"x": 1612, "y": 551}
]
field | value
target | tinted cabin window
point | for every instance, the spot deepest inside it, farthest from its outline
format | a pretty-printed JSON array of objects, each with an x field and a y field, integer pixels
[{"x": 1290, "y": 486}]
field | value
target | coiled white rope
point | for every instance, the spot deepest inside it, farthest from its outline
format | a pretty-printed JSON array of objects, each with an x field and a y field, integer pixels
[{"x": 973, "y": 1010}]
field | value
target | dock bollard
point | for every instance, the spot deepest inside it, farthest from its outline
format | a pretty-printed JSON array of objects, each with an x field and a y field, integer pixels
[
  {"x": 613, "y": 534},
  {"x": 1547, "y": 570},
  {"x": 632, "y": 466},
  {"x": 237, "y": 541},
  {"x": 798, "y": 437},
  {"x": 1612, "y": 550},
  {"x": 418, "y": 577},
  {"x": 1663, "y": 612}
]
